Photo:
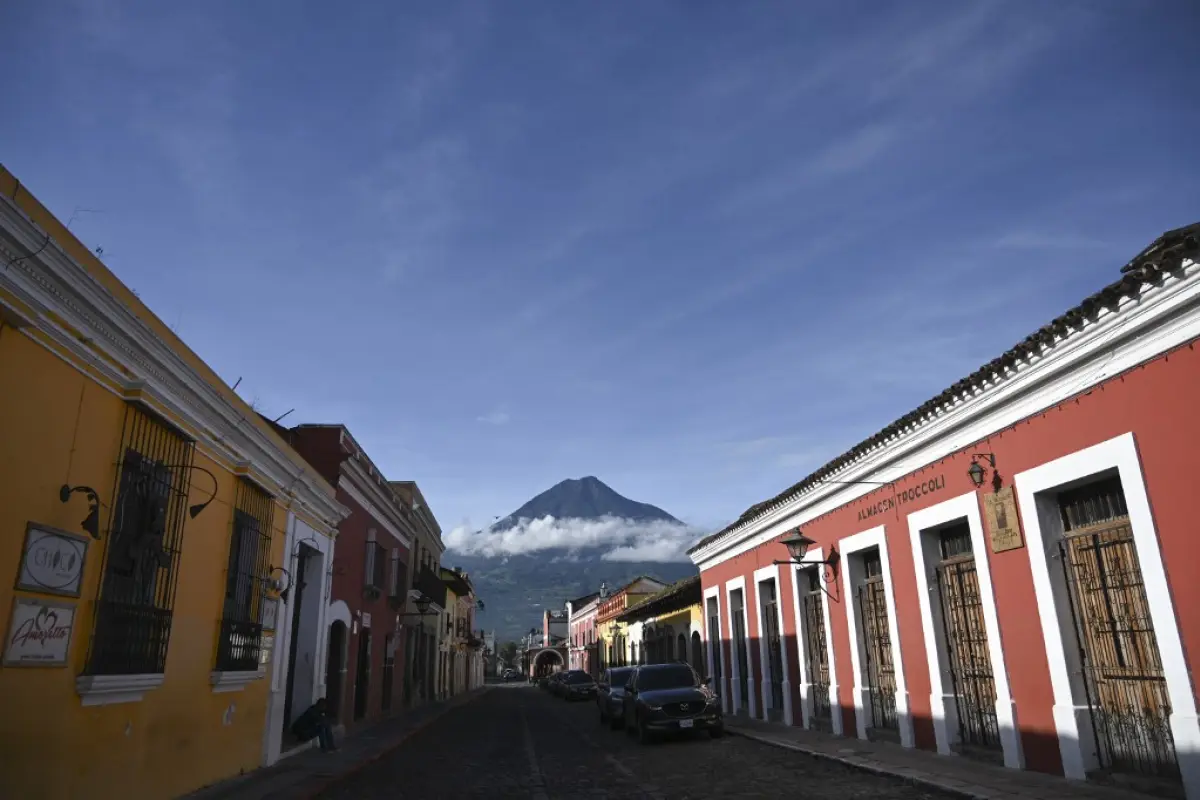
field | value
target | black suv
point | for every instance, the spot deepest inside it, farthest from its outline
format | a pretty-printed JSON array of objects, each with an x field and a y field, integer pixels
[
  {"x": 610, "y": 695},
  {"x": 576, "y": 685},
  {"x": 670, "y": 697}
]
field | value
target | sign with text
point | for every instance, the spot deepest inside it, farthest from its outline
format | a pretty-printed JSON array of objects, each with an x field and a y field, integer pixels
[
  {"x": 928, "y": 486},
  {"x": 52, "y": 561},
  {"x": 39, "y": 633},
  {"x": 1004, "y": 528},
  {"x": 270, "y": 613}
]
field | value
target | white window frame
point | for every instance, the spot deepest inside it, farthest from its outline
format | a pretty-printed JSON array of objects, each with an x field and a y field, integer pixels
[
  {"x": 1037, "y": 491},
  {"x": 716, "y": 651},
  {"x": 813, "y": 560},
  {"x": 771, "y": 573},
  {"x": 735, "y": 674},
  {"x": 923, "y": 528},
  {"x": 851, "y": 546}
]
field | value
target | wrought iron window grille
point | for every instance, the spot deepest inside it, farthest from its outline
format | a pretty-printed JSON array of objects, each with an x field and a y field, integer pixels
[{"x": 239, "y": 647}]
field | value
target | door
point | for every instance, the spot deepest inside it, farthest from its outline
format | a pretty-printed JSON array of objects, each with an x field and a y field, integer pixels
[
  {"x": 737, "y": 618},
  {"x": 714, "y": 643},
  {"x": 362, "y": 674},
  {"x": 389, "y": 670},
  {"x": 967, "y": 654},
  {"x": 335, "y": 668},
  {"x": 877, "y": 646},
  {"x": 1121, "y": 668},
  {"x": 816, "y": 651},
  {"x": 769, "y": 603},
  {"x": 299, "y": 607}
]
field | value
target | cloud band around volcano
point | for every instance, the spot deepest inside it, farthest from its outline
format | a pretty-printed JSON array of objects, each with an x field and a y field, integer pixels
[{"x": 621, "y": 539}]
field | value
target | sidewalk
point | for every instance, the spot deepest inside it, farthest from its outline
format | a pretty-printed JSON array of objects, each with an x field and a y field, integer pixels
[
  {"x": 306, "y": 774},
  {"x": 960, "y": 775}
]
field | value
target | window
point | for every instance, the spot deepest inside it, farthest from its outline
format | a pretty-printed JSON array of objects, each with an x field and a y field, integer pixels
[
  {"x": 670, "y": 676},
  {"x": 376, "y": 564},
  {"x": 136, "y": 595},
  {"x": 396, "y": 580},
  {"x": 240, "y": 645}
]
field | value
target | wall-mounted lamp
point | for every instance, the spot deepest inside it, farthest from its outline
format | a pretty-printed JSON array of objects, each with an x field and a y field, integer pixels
[
  {"x": 194, "y": 511},
  {"x": 422, "y": 603},
  {"x": 277, "y": 585},
  {"x": 798, "y": 545},
  {"x": 91, "y": 522},
  {"x": 977, "y": 472}
]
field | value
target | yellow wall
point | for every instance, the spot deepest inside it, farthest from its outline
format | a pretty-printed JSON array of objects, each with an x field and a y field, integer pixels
[{"x": 58, "y": 426}]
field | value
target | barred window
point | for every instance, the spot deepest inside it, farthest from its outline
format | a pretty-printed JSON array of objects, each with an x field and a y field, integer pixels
[
  {"x": 376, "y": 564},
  {"x": 396, "y": 583},
  {"x": 136, "y": 595},
  {"x": 240, "y": 644}
]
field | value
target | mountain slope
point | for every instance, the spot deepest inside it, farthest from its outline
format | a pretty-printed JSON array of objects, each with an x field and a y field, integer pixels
[
  {"x": 516, "y": 587},
  {"x": 584, "y": 498}
]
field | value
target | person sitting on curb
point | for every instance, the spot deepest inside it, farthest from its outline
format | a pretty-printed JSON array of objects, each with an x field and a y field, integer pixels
[{"x": 315, "y": 723}]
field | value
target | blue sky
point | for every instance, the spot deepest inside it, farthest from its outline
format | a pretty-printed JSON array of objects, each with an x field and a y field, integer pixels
[{"x": 696, "y": 249}]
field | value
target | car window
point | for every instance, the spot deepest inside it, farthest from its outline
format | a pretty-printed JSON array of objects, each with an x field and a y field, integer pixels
[
  {"x": 620, "y": 677},
  {"x": 578, "y": 676},
  {"x": 668, "y": 677}
]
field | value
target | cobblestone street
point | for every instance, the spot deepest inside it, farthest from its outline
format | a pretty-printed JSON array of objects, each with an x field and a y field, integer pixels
[{"x": 516, "y": 741}]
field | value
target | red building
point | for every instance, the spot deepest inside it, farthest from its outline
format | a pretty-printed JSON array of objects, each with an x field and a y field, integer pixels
[
  {"x": 1007, "y": 572},
  {"x": 366, "y": 639}
]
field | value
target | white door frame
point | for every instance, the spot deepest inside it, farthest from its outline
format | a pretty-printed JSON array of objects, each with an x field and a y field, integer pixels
[
  {"x": 716, "y": 652},
  {"x": 1037, "y": 490},
  {"x": 922, "y": 527},
  {"x": 849, "y": 546},
  {"x": 814, "y": 559},
  {"x": 771, "y": 573},
  {"x": 735, "y": 676}
]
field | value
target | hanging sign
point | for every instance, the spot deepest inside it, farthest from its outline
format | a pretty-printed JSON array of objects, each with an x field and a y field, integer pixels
[
  {"x": 39, "y": 633},
  {"x": 1004, "y": 528},
  {"x": 270, "y": 613},
  {"x": 52, "y": 561}
]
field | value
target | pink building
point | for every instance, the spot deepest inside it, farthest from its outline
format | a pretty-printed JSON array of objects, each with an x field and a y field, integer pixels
[{"x": 582, "y": 646}]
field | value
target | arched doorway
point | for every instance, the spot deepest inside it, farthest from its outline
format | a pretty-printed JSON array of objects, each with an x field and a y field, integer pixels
[
  {"x": 546, "y": 662},
  {"x": 335, "y": 668},
  {"x": 681, "y": 653},
  {"x": 698, "y": 654}
]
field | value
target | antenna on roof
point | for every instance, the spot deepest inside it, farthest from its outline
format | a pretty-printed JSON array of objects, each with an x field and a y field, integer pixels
[{"x": 281, "y": 416}]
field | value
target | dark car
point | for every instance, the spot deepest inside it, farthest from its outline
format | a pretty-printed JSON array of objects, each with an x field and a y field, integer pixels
[
  {"x": 670, "y": 697},
  {"x": 610, "y": 695},
  {"x": 577, "y": 685}
]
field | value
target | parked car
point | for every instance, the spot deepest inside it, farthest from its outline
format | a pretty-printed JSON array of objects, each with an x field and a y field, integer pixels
[
  {"x": 511, "y": 674},
  {"x": 661, "y": 698},
  {"x": 610, "y": 694},
  {"x": 558, "y": 685},
  {"x": 548, "y": 682},
  {"x": 577, "y": 684}
]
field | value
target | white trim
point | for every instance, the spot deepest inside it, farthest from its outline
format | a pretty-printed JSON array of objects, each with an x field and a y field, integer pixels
[
  {"x": 107, "y": 690},
  {"x": 76, "y": 312},
  {"x": 234, "y": 680},
  {"x": 813, "y": 559},
  {"x": 751, "y": 704},
  {"x": 347, "y": 485},
  {"x": 1161, "y": 317},
  {"x": 772, "y": 573},
  {"x": 716, "y": 650},
  {"x": 851, "y": 545},
  {"x": 1036, "y": 494},
  {"x": 942, "y": 702}
]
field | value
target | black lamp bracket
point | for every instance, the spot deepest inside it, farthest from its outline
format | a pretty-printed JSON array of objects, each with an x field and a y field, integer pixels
[{"x": 91, "y": 523}]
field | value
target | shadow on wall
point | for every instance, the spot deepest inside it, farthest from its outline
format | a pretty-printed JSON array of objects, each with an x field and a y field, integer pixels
[{"x": 1041, "y": 748}]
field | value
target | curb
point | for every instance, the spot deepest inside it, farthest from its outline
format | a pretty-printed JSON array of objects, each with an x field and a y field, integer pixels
[
  {"x": 854, "y": 763},
  {"x": 317, "y": 788}
]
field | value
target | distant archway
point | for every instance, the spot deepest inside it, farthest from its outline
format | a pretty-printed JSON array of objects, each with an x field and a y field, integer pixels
[{"x": 545, "y": 662}]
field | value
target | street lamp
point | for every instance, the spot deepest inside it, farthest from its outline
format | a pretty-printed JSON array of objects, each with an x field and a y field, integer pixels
[
  {"x": 976, "y": 471},
  {"x": 422, "y": 603},
  {"x": 798, "y": 545}
]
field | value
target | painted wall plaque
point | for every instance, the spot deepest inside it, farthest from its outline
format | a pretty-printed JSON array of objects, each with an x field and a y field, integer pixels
[
  {"x": 39, "y": 633},
  {"x": 52, "y": 561},
  {"x": 1003, "y": 524},
  {"x": 270, "y": 613}
]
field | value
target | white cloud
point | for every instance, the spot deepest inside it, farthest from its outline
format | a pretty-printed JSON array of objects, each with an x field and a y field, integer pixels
[
  {"x": 627, "y": 540},
  {"x": 494, "y": 418}
]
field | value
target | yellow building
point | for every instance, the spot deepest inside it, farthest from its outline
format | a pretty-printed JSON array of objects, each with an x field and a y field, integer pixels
[
  {"x": 667, "y": 625},
  {"x": 612, "y": 632},
  {"x": 144, "y": 510}
]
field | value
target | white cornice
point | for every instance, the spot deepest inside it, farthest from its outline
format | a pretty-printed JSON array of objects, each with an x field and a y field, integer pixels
[
  {"x": 81, "y": 317},
  {"x": 1161, "y": 317},
  {"x": 357, "y": 483}
]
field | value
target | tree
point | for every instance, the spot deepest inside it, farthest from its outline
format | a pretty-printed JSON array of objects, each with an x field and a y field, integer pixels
[{"x": 508, "y": 652}]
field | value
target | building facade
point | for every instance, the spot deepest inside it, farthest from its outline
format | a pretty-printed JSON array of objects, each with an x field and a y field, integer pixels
[
  {"x": 1004, "y": 573},
  {"x": 581, "y": 623},
  {"x": 423, "y": 632},
  {"x": 148, "y": 522},
  {"x": 461, "y": 654},
  {"x": 612, "y": 634},
  {"x": 666, "y": 627},
  {"x": 365, "y": 657}
]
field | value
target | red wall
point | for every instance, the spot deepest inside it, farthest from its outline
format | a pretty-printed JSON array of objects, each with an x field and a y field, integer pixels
[
  {"x": 349, "y": 578},
  {"x": 1156, "y": 401}
]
